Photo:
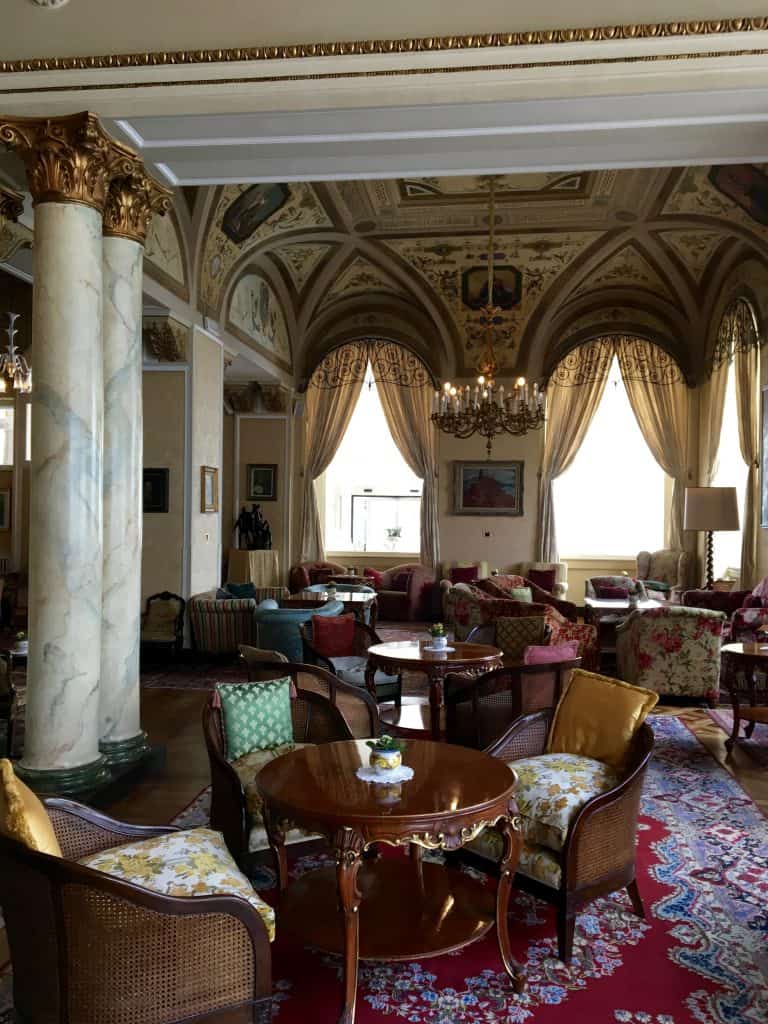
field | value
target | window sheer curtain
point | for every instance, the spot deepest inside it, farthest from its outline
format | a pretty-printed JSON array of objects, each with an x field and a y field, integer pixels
[
  {"x": 406, "y": 397},
  {"x": 331, "y": 398},
  {"x": 573, "y": 396},
  {"x": 661, "y": 402},
  {"x": 747, "y": 369}
]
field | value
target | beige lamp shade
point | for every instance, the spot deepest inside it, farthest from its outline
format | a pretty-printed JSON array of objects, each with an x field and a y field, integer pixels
[{"x": 711, "y": 508}]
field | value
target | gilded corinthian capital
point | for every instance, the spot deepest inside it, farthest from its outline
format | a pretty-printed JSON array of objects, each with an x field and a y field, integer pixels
[
  {"x": 11, "y": 205},
  {"x": 132, "y": 200},
  {"x": 69, "y": 159}
]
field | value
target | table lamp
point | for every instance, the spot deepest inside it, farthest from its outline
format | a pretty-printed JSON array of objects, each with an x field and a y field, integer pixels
[{"x": 710, "y": 509}]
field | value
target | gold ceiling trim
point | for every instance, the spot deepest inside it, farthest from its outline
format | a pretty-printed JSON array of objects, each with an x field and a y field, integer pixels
[
  {"x": 370, "y": 47},
  {"x": 388, "y": 73}
]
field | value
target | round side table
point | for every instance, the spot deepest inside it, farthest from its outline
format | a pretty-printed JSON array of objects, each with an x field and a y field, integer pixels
[
  {"x": 750, "y": 700},
  {"x": 392, "y": 908}
]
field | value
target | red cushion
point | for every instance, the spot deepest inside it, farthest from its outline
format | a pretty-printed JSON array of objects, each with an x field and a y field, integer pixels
[
  {"x": 463, "y": 575},
  {"x": 401, "y": 581},
  {"x": 546, "y": 654},
  {"x": 333, "y": 635},
  {"x": 375, "y": 576},
  {"x": 544, "y": 578},
  {"x": 612, "y": 593}
]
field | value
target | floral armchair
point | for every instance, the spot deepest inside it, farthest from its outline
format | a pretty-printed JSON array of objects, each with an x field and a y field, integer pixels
[
  {"x": 599, "y": 586},
  {"x": 502, "y": 584},
  {"x": 674, "y": 651},
  {"x": 557, "y": 570},
  {"x": 466, "y": 606},
  {"x": 665, "y": 573}
]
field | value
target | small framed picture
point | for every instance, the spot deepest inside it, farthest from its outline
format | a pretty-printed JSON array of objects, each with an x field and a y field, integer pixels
[
  {"x": 156, "y": 490},
  {"x": 262, "y": 482},
  {"x": 5, "y": 510},
  {"x": 488, "y": 488},
  {"x": 209, "y": 489}
]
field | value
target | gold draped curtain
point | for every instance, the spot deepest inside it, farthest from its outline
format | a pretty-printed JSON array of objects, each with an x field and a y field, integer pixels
[
  {"x": 660, "y": 401},
  {"x": 405, "y": 388}
]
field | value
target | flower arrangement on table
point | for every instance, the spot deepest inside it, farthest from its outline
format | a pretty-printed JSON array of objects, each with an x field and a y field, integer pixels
[
  {"x": 439, "y": 636},
  {"x": 385, "y": 761}
]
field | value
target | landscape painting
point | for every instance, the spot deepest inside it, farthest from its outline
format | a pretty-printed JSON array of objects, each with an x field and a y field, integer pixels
[{"x": 488, "y": 488}]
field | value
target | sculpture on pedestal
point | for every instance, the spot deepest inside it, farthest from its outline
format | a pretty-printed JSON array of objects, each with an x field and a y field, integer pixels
[{"x": 253, "y": 531}]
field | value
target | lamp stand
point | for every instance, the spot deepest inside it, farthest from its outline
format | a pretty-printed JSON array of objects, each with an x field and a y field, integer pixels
[{"x": 710, "y": 549}]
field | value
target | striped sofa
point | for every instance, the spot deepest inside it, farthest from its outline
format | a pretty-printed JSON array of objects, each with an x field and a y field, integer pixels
[{"x": 219, "y": 626}]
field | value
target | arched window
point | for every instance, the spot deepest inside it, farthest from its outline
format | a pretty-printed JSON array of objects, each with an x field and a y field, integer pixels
[
  {"x": 370, "y": 501},
  {"x": 610, "y": 501}
]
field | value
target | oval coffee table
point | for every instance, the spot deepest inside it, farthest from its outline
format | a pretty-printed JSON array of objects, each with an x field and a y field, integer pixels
[
  {"x": 414, "y": 656},
  {"x": 392, "y": 908}
]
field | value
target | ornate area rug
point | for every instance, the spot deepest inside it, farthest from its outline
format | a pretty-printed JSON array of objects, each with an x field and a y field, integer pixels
[
  {"x": 700, "y": 957},
  {"x": 756, "y": 747}
]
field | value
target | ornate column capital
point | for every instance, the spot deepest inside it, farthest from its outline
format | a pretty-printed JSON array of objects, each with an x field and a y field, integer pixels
[
  {"x": 132, "y": 200},
  {"x": 11, "y": 204},
  {"x": 69, "y": 159}
]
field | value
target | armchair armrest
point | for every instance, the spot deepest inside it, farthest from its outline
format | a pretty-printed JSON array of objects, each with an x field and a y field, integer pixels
[
  {"x": 82, "y": 830},
  {"x": 526, "y": 737}
]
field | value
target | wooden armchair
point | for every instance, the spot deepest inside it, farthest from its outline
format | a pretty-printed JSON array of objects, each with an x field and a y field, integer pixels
[
  {"x": 350, "y": 667},
  {"x": 323, "y": 709},
  {"x": 162, "y": 624},
  {"x": 598, "y": 854},
  {"x": 88, "y": 947},
  {"x": 480, "y": 709}
]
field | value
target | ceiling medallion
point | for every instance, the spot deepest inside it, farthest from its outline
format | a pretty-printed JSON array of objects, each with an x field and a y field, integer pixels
[
  {"x": 489, "y": 409},
  {"x": 50, "y": 5}
]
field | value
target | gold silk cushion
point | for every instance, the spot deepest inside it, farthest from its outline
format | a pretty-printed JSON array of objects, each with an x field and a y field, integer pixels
[
  {"x": 514, "y": 634},
  {"x": 22, "y": 816},
  {"x": 597, "y": 717}
]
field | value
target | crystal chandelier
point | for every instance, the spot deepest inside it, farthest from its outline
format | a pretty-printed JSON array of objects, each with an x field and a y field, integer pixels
[
  {"x": 14, "y": 368},
  {"x": 487, "y": 408}
]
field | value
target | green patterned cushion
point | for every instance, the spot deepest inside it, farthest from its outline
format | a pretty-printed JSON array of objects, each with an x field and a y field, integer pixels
[
  {"x": 524, "y": 594},
  {"x": 257, "y": 716},
  {"x": 514, "y": 634}
]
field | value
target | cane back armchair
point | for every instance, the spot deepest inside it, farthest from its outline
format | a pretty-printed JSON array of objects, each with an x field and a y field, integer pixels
[
  {"x": 349, "y": 666},
  {"x": 323, "y": 709},
  {"x": 88, "y": 947}
]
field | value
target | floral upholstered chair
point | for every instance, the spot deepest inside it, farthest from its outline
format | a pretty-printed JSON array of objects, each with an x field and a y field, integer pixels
[
  {"x": 550, "y": 576},
  {"x": 503, "y": 585},
  {"x": 108, "y": 921},
  {"x": 608, "y": 587},
  {"x": 664, "y": 573},
  {"x": 580, "y": 776},
  {"x": 674, "y": 651}
]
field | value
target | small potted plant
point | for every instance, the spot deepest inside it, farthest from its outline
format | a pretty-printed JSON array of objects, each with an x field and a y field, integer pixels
[
  {"x": 439, "y": 638},
  {"x": 386, "y": 754}
]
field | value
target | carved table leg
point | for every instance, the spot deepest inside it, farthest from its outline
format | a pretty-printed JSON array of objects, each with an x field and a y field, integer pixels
[
  {"x": 370, "y": 673},
  {"x": 435, "y": 701},
  {"x": 276, "y": 838},
  {"x": 512, "y": 840},
  {"x": 349, "y": 847}
]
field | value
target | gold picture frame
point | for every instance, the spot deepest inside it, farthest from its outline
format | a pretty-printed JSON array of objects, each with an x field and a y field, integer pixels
[{"x": 209, "y": 489}]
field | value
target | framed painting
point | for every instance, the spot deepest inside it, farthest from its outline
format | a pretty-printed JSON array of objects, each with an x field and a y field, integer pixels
[
  {"x": 764, "y": 456},
  {"x": 155, "y": 490},
  {"x": 488, "y": 488},
  {"x": 251, "y": 208},
  {"x": 507, "y": 287},
  {"x": 5, "y": 510},
  {"x": 262, "y": 481},
  {"x": 209, "y": 489}
]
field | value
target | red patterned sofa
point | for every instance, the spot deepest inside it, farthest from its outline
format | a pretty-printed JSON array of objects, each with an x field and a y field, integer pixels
[
  {"x": 501, "y": 585},
  {"x": 466, "y": 606},
  {"x": 747, "y": 610},
  {"x": 405, "y": 593}
]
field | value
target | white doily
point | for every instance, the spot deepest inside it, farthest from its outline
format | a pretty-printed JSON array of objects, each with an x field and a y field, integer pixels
[
  {"x": 368, "y": 774},
  {"x": 438, "y": 650}
]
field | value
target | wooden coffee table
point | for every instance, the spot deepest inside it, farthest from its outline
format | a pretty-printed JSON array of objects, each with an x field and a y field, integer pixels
[
  {"x": 750, "y": 701},
  {"x": 392, "y": 908},
  {"x": 412, "y": 656}
]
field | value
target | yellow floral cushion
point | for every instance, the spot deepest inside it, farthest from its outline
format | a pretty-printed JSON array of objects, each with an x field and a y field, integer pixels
[
  {"x": 22, "y": 816},
  {"x": 248, "y": 767},
  {"x": 535, "y": 861},
  {"x": 552, "y": 789},
  {"x": 191, "y": 863}
]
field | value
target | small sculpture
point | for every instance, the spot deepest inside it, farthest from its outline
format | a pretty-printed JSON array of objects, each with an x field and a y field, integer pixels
[
  {"x": 261, "y": 533},
  {"x": 243, "y": 528}
]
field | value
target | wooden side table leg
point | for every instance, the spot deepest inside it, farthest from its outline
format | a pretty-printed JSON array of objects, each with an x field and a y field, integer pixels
[
  {"x": 349, "y": 848},
  {"x": 370, "y": 674},
  {"x": 435, "y": 700},
  {"x": 512, "y": 840},
  {"x": 276, "y": 839}
]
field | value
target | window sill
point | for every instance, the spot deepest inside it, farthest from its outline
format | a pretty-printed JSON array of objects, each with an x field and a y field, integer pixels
[{"x": 341, "y": 556}]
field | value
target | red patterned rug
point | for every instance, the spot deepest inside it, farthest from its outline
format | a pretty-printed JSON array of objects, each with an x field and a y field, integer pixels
[{"x": 700, "y": 957}]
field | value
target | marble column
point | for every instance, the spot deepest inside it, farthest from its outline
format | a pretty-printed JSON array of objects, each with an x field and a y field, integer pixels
[
  {"x": 69, "y": 163},
  {"x": 130, "y": 204}
]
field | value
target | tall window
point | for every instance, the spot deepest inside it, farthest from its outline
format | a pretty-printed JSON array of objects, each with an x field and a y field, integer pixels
[
  {"x": 372, "y": 499},
  {"x": 730, "y": 471},
  {"x": 610, "y": 501},
  {"x": 6, "y": 433}
]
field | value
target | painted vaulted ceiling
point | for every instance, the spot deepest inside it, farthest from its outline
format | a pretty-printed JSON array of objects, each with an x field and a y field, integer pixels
[{"x": 294, "y": 269}]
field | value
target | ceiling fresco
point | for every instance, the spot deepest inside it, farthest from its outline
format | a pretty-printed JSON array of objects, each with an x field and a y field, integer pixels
[
  {"x": 256, "y": 318},
  {"x": 563, "y": 240}
]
